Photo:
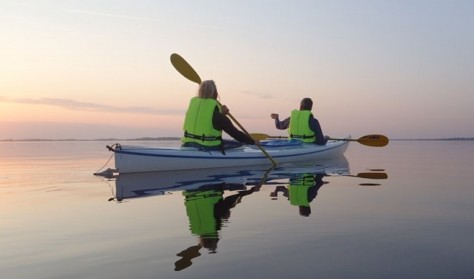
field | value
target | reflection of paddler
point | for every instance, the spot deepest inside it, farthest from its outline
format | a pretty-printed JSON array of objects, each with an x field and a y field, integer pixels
[
  {"x": 206, "y": 209},
  {"x": 301, "y": 191},
  {"x": 200, "y": 210}
]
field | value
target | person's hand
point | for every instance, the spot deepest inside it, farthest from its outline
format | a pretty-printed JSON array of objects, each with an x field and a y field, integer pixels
[
  {"x": 274, "y": 115},
  {"x": 224, "y": 110}
]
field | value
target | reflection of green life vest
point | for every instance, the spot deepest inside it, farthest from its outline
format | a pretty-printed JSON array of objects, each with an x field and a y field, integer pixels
[
  {"x": 198, "y": 126},
  {"x": 299, "y": 188},
  {"x": 200, "y": 211},
  {"x": 299, "y": 126}
]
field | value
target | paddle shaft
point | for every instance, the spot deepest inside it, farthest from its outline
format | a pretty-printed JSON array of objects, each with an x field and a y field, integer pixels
[
  {"x": 284, "y": 137},
  {"x": 257, "y": 143}
]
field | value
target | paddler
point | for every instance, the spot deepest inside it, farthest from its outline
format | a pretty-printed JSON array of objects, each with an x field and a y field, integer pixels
[
  {"x": 302, "y": 124},
  {"x": 205, "y": 120}
]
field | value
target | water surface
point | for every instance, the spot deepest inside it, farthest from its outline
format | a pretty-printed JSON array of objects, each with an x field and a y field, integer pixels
[{"x": 61, "y": 221}]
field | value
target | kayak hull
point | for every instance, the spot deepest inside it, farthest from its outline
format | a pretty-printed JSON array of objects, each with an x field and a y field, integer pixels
[{"x": 133, "y": 159}]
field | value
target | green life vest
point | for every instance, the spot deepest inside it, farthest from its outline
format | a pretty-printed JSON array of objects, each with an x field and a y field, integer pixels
[
  {"x": 198, "y": 126},
  {"x": 298, "y": 190},
  {"x": 200, "y": 211},
  {"x": 299, "y": 126}
]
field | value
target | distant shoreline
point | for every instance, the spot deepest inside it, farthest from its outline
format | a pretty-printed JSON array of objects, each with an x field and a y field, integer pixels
[
  {"x": 178, "y": 138},
  {"x": 108, "y": 139}
]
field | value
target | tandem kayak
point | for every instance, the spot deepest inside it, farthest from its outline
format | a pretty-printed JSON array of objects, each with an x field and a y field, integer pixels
[{"x": 133, "y": 159}]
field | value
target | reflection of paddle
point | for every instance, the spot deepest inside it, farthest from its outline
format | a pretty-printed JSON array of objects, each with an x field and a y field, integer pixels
[
  {"x": 371, "y": 175},
  {"x": 187, "y": 255},
  {"x": 188, "y": 72},
  {"x": 262, "y": 181},
  {"x": 369, "y": 184},
  {"x": 375, "y": 140}
]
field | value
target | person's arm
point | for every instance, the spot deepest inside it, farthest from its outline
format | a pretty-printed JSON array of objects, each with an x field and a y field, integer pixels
[
  {"x": 316, "y": 127},
  {"x": 280, "y": 125},
  {"x": 221, "y": 122},
  {"x": 318, "y": 183}
]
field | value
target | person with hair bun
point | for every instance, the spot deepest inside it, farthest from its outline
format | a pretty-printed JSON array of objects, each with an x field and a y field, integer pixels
[{"x": 206, "y": 119}]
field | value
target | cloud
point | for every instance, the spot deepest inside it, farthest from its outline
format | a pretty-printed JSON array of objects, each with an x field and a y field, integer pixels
[
  {"x": 71, "y": 104},
  {"x": 102, "y": 14},
  {"x": 14, "y": 130}
]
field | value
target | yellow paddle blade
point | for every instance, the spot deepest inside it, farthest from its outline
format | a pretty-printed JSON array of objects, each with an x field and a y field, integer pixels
[
  {"x": 373, "y": 140},
  {"x": 184, "y": 68}
]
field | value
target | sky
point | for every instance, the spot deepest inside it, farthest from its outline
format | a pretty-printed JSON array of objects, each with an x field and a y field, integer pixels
[{"x": 90, "y": 69}]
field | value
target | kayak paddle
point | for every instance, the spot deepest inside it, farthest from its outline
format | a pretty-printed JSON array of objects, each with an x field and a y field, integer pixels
[
  {"x": 374, "y": 140},
  {"x": 188, "y": 72}
]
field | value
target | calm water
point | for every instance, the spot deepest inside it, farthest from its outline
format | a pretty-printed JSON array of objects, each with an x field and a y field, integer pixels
[{"x": 58, "y": 220}]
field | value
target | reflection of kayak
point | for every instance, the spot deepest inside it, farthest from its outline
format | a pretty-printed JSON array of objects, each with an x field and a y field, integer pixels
[
  {"x": 132, "y": 185},
  {"x": 130, "y": 159}
]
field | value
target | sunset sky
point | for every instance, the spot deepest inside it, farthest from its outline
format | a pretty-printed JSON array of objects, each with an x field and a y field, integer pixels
[{"x": 92, "y": 69}]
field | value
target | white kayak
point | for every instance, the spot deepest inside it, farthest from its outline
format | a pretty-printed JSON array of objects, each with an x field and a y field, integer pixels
[
  {"x": 132, "y": 159},
  {"x": 136, "y": 185}
]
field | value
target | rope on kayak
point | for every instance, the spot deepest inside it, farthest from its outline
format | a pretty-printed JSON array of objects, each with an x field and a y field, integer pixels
[{"x": 109, "y": 173}]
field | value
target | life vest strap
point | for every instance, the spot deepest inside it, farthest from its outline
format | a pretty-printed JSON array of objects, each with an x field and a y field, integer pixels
[
  {"x": 301, "y": 137},
  {"x": 201, "y": 137}
]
